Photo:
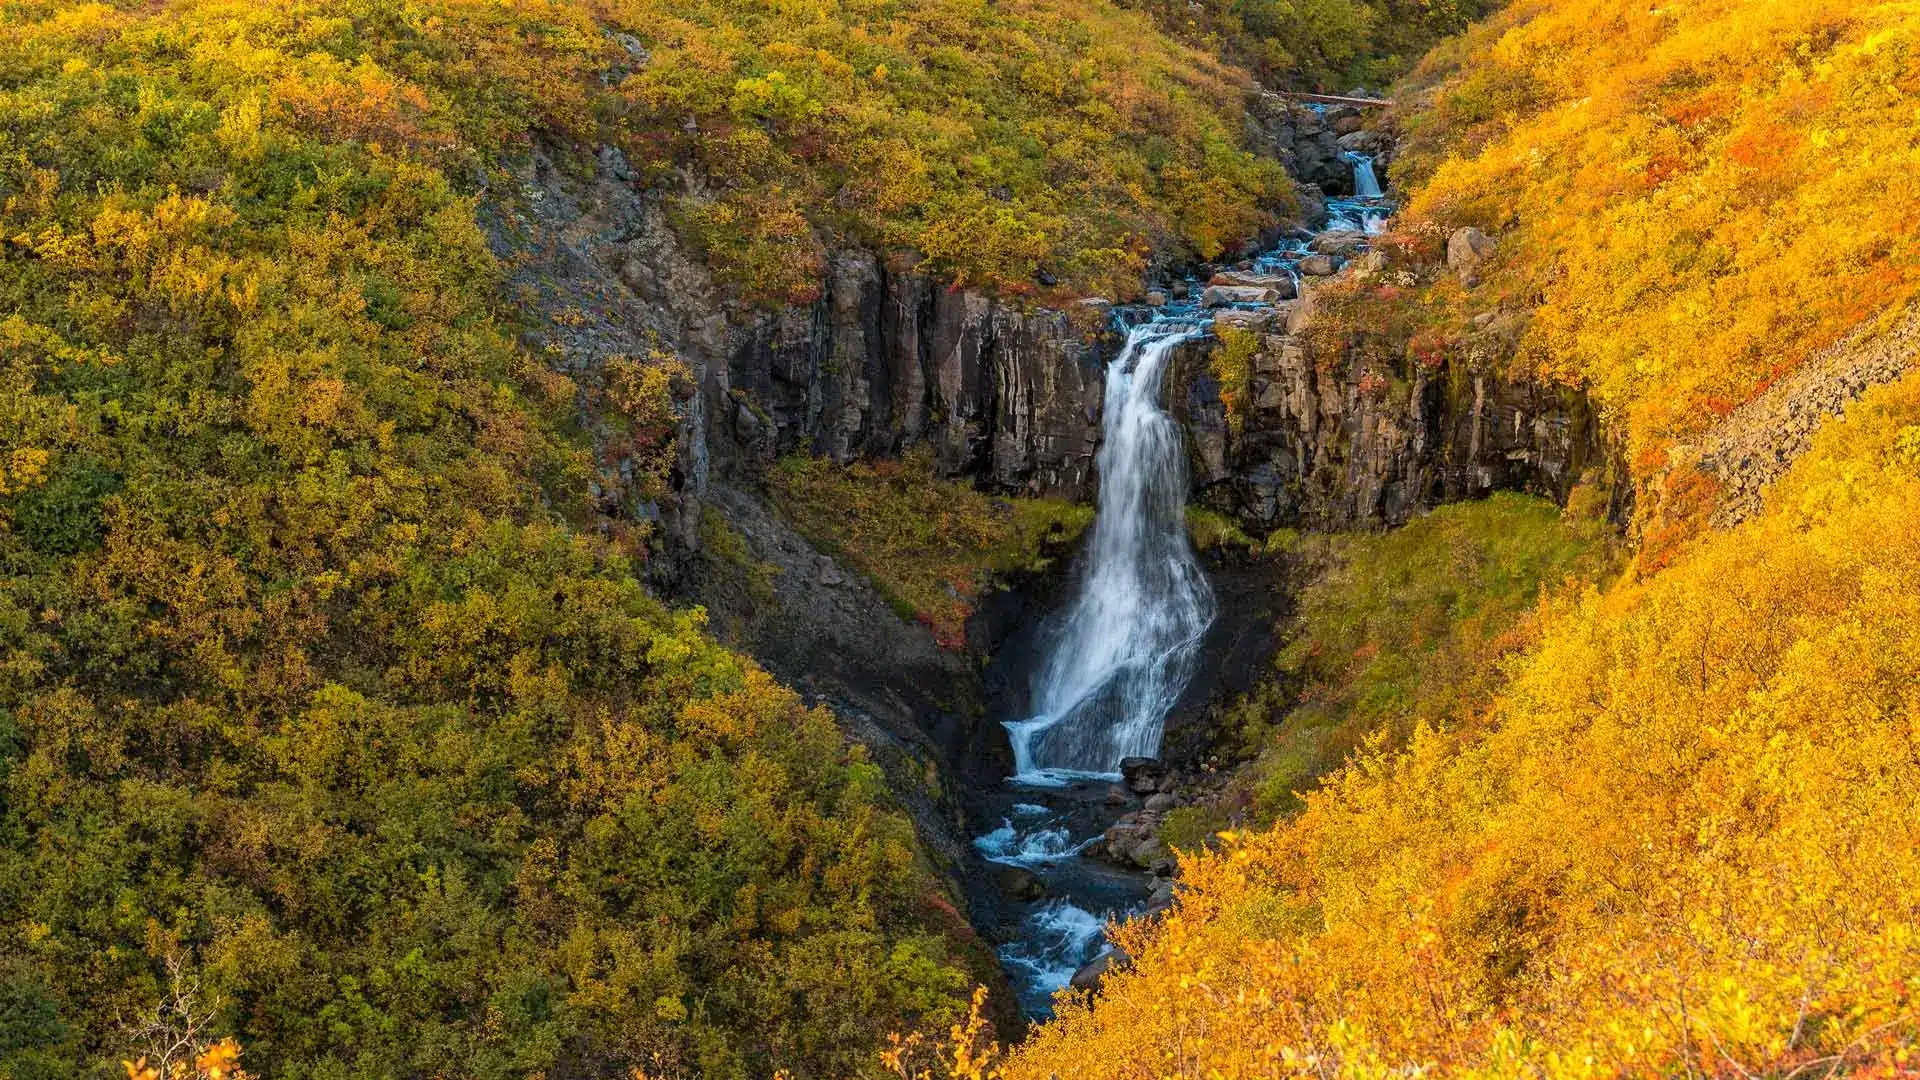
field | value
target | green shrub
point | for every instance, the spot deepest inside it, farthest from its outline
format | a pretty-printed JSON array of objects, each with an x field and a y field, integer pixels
[
  {"x": 931, "y": 546},
  {"x": 1405, "y": 627}
]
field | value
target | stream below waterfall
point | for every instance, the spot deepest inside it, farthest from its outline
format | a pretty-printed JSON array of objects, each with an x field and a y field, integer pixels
[{"x": 1109, "y": 667}]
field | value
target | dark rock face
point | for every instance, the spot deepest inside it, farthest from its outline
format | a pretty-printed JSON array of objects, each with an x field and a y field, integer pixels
[
  {"x": 1312, "y": 145},
  {"x": 1328, "y": 442},
  {"x": 885, "y": 360}
]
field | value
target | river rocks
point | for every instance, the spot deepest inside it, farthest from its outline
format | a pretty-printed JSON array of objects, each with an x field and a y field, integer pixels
[
  {"x": 1118, "y": 796},
  {"x": 1089, "y": 975},
  {"x": 1344, "y": 244},
  {"x": 1160, "y": 802},
  {"x": 1319, "y": 266},
  {"x": 1305, "y": 141},
  {"x": 1282, "y": 285},
  {"x": 1152, "y": 854},
  {"x": 1466, "y": 250},
  {"x": 1242, "y": 318},
  {"x": 1142, "y": 774},
  {"x": 1222, "y": 295},
  {"x": 1363, "y": 142},
  {"x": 1018, "y": 883},
  {"x": 1156, "y": 298},
  {"x": 1132, "y": 843}
]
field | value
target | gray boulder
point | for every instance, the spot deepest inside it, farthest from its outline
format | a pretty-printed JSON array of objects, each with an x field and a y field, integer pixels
[
  {"x": 1344, "y": 244},
  {"x": 1090, "y": 973},
  {"x": 1222, "y": 295},
  {"x": 1142, "y": 774},
  {"x": 1466, "y": 250},
  {"x": 1018, "y": 883}
]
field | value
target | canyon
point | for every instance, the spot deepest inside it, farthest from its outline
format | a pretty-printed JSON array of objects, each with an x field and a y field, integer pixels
[{"x": 1332, "y": 435}]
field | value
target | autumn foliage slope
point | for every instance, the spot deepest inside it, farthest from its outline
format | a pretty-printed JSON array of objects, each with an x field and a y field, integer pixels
[{"x": 1680, "y": 838}]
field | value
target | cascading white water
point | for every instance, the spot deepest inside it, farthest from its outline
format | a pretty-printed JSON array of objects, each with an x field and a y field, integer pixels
[
  {"x": 1121, "y": 655},
  {"x": 1366, "y": 184}
]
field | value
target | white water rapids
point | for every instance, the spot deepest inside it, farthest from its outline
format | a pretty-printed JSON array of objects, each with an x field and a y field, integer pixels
[{"x": 1123, "y": 651}]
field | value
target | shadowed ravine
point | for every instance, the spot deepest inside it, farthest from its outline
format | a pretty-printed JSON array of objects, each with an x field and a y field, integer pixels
[{"x": 1113, "y": 662}]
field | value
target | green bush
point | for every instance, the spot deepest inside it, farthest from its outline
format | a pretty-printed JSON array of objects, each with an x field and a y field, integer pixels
[
  {"x": 315, "y": 675},
  {"x": 1406, "y": 627}
]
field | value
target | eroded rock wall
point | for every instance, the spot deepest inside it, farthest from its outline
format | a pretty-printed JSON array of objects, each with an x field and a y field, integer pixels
[
  {"x": 886, "y": 360},
  {"x": 1331, "y": 438}
]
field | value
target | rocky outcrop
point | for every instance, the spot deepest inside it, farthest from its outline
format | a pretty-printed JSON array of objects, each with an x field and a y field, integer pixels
[
  {"x": 1466, "y": 250},
  {"x": 1313, "y": 143},
  {"x": 885, "y": 359},
  {"x": 1759, "y": 441},
  {"x": 1330, "y": 438}
]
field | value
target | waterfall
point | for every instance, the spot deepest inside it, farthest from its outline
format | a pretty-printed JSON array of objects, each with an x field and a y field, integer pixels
[
  {"x": 1122, "y": 652},
  {"x": 1366, "y": 185}
]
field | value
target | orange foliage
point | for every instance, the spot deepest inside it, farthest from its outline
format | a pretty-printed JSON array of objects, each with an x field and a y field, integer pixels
[
  {"x": 1681, "y": 843},
  {"x": 1698, "y": 194}
]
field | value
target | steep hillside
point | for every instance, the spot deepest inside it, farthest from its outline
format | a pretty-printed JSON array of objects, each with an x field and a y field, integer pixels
[
  {"x": 1677, "y": 836},
  {"x": 1681, "y": 839},
  {"x": 1691, "y": 200},
  {"x": 328, "y": 683}
]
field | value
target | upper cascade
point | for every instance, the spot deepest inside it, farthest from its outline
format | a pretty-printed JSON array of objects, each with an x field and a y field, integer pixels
[{"x": 1366, "y": 184}]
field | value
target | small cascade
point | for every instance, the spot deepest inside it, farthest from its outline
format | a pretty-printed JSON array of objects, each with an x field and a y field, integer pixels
[
  {"x": 1366, "y": 185},
  {"x": 1058, "y": 938},
  {"x": 1121, "y": 655},
  {"x": 1036, "y": 847}
]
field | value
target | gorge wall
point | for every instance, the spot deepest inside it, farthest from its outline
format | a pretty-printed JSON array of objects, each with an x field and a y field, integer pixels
[
  {"x": 888, "y": 359},
  {"x": 1332, "y": 437}
]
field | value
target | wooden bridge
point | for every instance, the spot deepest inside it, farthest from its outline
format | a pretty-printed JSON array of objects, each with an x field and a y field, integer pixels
[{"x": 1334, "y": 99}]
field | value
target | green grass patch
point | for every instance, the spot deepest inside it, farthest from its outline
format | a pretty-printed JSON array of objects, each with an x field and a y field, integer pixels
[
  {"x": 1405, "y": 627},
  {"x": 931, "y": 546}
]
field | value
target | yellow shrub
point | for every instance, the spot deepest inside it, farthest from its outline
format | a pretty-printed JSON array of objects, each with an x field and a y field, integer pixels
[{"x": 1700, "y": 195}]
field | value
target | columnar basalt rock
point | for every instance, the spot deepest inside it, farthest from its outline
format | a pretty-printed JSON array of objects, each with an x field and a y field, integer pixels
[
  {"x": 1338, "y": 441},
  {"x": 885, "y": 359}
]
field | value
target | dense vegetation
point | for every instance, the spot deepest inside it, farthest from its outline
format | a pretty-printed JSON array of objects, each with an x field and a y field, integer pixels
[
  {"x": 1011, "y": 144},
  {"x": 1682, "y": 841},
  {"x": 323, "y": 687},
  {"x": 1674, "y": 832},
  {"x": 1400, "y": 630},
  {"x": 314, "y": 683},
  {"x": 932, "y": 546},
  {"x": 1331, "y": 46},
  {"x": 1691, "y": 198}
]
